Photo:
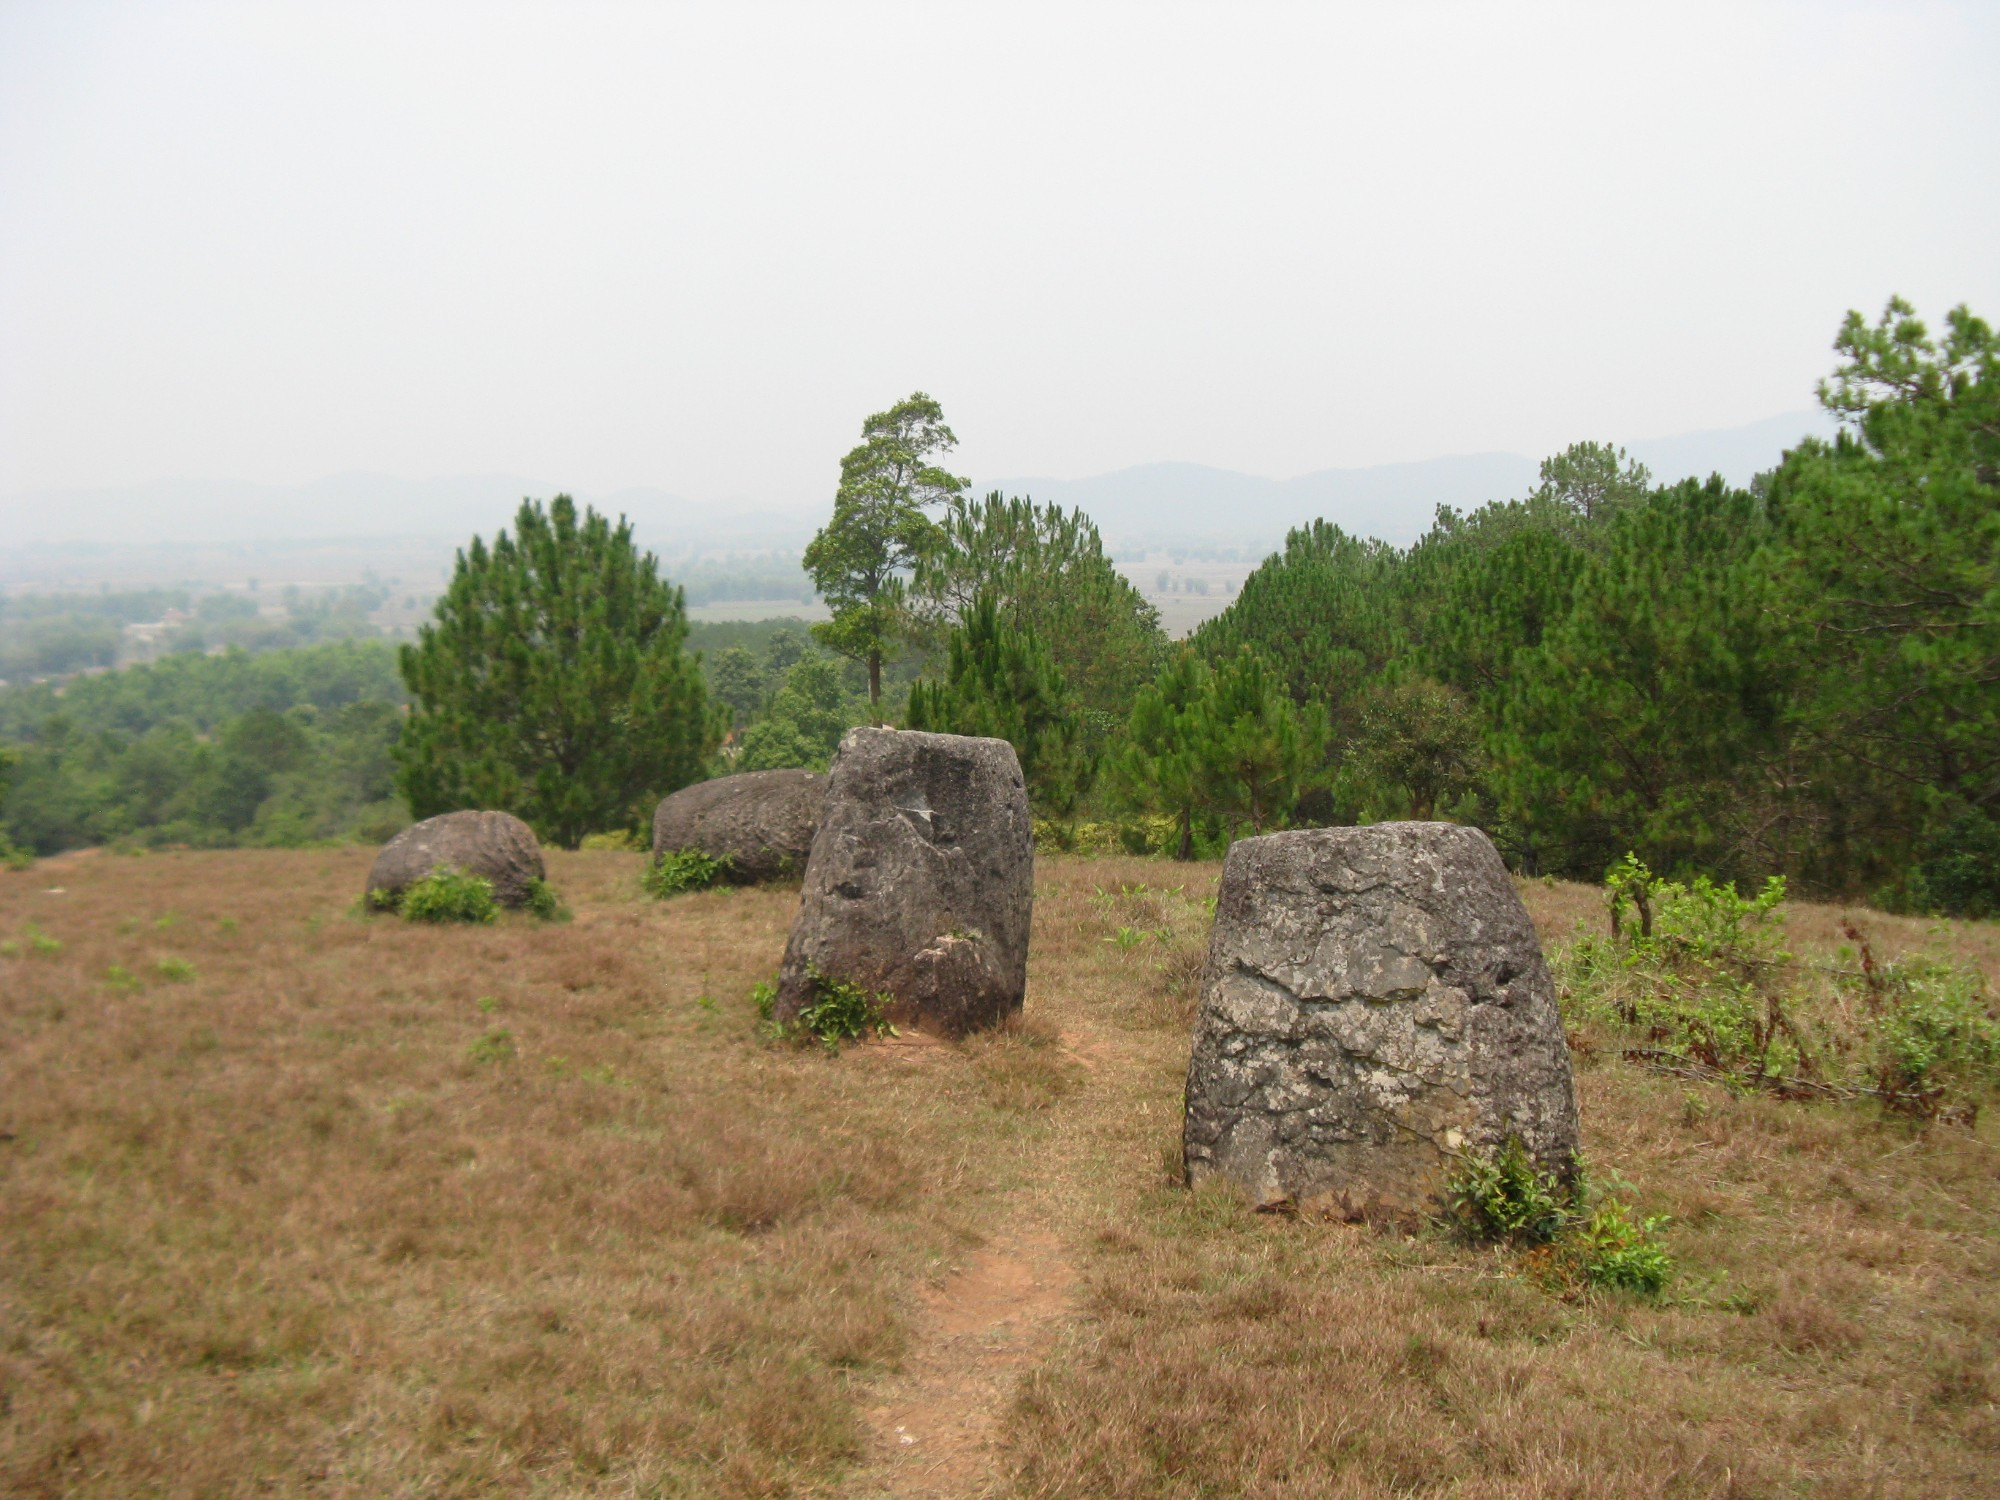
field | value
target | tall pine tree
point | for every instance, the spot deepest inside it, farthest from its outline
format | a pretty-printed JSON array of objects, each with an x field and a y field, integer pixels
[{"x": 553, "y": 682}]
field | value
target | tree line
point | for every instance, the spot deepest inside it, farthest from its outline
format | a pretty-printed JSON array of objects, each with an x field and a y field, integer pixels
[{"x": 1799, "y": 677}]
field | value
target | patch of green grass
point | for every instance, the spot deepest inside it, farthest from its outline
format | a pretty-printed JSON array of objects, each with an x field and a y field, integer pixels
[
  {"x": 174, "y": 970},
  {"x": 493, "y": 1047}
]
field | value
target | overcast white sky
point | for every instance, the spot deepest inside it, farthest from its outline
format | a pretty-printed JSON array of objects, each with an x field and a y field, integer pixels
[{"x": 612, "y": 245}]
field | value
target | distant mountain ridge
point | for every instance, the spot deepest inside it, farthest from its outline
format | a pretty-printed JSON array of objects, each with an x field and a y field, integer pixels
[
  {"x": 1167, "y": 503},
  {"x": 1160, "y": 503}
]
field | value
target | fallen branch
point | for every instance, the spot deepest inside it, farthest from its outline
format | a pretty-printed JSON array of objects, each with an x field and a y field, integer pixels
[{"x": 1660, "y": 1060}]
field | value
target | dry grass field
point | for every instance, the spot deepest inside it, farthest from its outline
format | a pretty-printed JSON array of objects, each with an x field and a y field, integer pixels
[{"x": 294, "y": 1201}]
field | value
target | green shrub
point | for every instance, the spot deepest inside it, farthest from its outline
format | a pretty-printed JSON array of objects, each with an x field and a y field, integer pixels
[
  {"x": 544, "y": 902},
  {"x": 1935, "y": 1038},
  {"x": 448, "y": 895},
  {"x": 1696, "y": 967},
  {"x": 1145, "y": 835},
  {"x": 1505, "y": 1196},
  {"x": 680, "y": 870},
  {"x": 174, "y": 970},
  {"x": 1612, "y": 1249},
  {"x": 837, "y": 1012},
  {"x": 1576, "y": 1241},
  {"x": 1697, "y": 976},
  {"x": 1960, "y": 874}
]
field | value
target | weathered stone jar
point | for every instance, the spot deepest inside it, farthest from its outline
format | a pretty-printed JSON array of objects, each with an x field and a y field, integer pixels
[
  {"x": 1374, "y": 1005},
  {"x": 495, "y": 845},
  {"x": 761, "y": 823},
  {"x": 921, "y": 882}
]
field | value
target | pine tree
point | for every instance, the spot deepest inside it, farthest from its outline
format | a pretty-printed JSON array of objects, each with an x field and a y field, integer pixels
[
  {"x": 1046, "y": 571},
  {"x": 1160, "y": 765},
  {"x": 1003, "y": 683},
  {"x": 1255, "y": 745},
  {"x": 1890, "y": 567},
  {"x": 553, "y": 682}
]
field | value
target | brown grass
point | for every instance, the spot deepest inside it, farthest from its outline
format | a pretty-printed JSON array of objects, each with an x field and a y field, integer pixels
[{"x": 365, "y": 1208}]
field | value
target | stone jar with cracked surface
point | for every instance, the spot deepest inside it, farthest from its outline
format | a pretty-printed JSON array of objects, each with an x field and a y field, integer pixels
[
  {"x": 1374, "y": 1006},
  {"x": 921, "y": 881}
]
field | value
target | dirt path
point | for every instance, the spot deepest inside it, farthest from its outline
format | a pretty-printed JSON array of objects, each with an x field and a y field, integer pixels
[{"x": 934, "y": 1426}]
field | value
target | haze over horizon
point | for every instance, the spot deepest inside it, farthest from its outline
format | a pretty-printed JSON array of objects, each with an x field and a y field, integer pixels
[{"x": 682, "y": 251}]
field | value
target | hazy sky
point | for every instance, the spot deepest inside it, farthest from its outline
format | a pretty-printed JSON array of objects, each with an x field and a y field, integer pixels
[{"x": 610, "y": 245}]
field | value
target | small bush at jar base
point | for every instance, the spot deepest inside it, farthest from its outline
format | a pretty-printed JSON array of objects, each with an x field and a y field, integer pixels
[
  {"x": 1507, "y": 1197},
  {"x": 679, "y": 870},
  {"x": 544, "y": 902},
  {"x": 837, "y": 1012},
  {"x": 448, "y": 895}
]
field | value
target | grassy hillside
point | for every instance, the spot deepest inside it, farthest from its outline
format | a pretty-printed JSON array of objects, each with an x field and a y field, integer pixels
[{"x": 301, "y": 1202}]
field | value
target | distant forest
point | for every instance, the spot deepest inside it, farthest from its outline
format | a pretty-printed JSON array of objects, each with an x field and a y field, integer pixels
[{"x": 1801, "y": 677}]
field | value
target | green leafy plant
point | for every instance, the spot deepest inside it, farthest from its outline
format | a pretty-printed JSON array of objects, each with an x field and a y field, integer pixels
[
  {"x": 121, "y": 978},
  {"x": 174, "y": 970},
  {"x": 622, "y": 840},
  {"x": 544, "y": 902},
  {"x": 838, "y": 1012},
  {"x": 448, "y": 895},
  {"x": 1935, "y": 1039},
  {"x": 679, "y": 870},
  {"x": 1697, "y": 975},
  {"x": 42, "y": 943},
  {"x": 1612, "y": 1249},
  {"x": 1698, "y": 968},
  {"x": 1578, "y": 1235},
  {"x": 1506, "y": 1196}
]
